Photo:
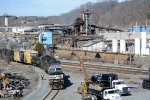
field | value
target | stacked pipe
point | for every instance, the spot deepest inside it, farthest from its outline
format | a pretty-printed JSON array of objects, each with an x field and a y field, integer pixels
[{"x": 146, "y": 82}]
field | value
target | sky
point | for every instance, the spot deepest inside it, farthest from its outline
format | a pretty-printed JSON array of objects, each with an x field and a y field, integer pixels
[{"x": 39, "y": 7}]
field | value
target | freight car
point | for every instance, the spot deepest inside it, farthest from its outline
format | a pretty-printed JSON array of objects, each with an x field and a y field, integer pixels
[
  {"x": 32, "y": 57},
  {"x": 48, "y": 63},
  {"x": 24, "y": 56}
]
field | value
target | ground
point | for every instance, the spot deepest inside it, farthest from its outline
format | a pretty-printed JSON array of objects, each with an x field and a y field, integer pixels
[
  {"x": 23, "y": 69},
  {"x": 39, "y": 88}
]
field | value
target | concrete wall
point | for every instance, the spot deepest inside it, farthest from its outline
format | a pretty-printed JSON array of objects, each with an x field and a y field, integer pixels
[
  {"x": 137, "y": 46},
  {"x": 115, "y": 45},
  {"x": 137, "y": 37},
  {"x": 95, "y": 47},
  {"x": 91, "y": 54},
  {"x": 144, "y": 49},
  {"x": 122, "y": 46}
]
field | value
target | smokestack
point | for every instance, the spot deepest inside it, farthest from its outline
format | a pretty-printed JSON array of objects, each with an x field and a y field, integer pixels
[{"x": 6, "y": 22}]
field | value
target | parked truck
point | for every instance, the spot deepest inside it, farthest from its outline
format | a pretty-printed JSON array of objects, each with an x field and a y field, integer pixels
[
  {"x": 104, "y": 93},
  {"x": 91, "y": 91},
  {"x": 121, "y": 86},
  {"x": 146, "y": 82},
  {"x": 111, "y": 80}
]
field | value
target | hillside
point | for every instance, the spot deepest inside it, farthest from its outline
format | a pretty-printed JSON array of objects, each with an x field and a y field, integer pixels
[{"x": 108, "y": 14}]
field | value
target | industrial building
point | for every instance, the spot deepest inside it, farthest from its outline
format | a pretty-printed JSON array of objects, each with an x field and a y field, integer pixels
[
  {"x": 96, "y": 45},
  {"x": 128, "y": 42},
  {"x": 46, "y": 39},
  {"x": 22, "y": 29},
  {"x": 137, "y": 43}
]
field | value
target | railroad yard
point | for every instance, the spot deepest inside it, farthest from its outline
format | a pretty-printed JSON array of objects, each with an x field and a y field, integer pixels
[
  {"x": 74, "y": 77},
  {"x": 99, "y": 50}
]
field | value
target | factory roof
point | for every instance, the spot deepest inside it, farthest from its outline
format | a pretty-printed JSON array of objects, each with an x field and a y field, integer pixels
[{"x": 123, "y": 35}]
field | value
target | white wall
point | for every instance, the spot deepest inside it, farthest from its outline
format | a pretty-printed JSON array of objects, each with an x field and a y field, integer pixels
[
  {"x": 95, "y": 47},
  {"x": 137, "y": 46},
  {"x": 140, "y": 39},
  {"x": 114, "y": 45},
  {"x": 20, "y": 29},
  {"x": 122, "y": 46},
  {"x": 144, "y": 49}
]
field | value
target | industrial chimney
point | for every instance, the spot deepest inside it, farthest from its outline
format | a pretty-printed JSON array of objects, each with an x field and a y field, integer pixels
[{"x": 6, "y": 22}]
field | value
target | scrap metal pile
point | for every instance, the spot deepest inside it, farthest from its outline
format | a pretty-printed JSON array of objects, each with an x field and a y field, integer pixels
[
  {"x": 12, "y": 84},
  {"x": 17, "y": 81}
]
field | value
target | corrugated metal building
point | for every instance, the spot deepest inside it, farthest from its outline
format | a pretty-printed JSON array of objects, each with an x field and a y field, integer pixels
[{"x": 139, "y": 29}]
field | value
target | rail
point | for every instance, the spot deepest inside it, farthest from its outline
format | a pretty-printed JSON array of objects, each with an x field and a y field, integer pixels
[
  {"x": 51, "y": 95},
  {"x": 97, "y": 67}
]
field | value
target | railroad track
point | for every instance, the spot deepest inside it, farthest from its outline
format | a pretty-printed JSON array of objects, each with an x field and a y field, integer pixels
[
  {"x": 96, "y": 67},
  {"x": 51, "y": 95}
]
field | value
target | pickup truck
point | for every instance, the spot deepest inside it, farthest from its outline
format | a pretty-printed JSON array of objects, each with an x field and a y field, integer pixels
[
  {"x": 121, "y": 86},
  {"x": 105, "y": 94}
]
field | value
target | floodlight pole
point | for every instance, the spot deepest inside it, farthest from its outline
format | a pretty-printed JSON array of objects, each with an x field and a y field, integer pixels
[{"x": 129, "y": 35}]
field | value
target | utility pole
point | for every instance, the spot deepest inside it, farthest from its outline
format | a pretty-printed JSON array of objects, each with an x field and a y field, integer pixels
[
  {"x": 129, "y": 35},
  {"x": 149, "y": 73}
]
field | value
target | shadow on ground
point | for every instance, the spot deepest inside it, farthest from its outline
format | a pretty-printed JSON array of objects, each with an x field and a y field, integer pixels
[{"x": 67, "y": 82}]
